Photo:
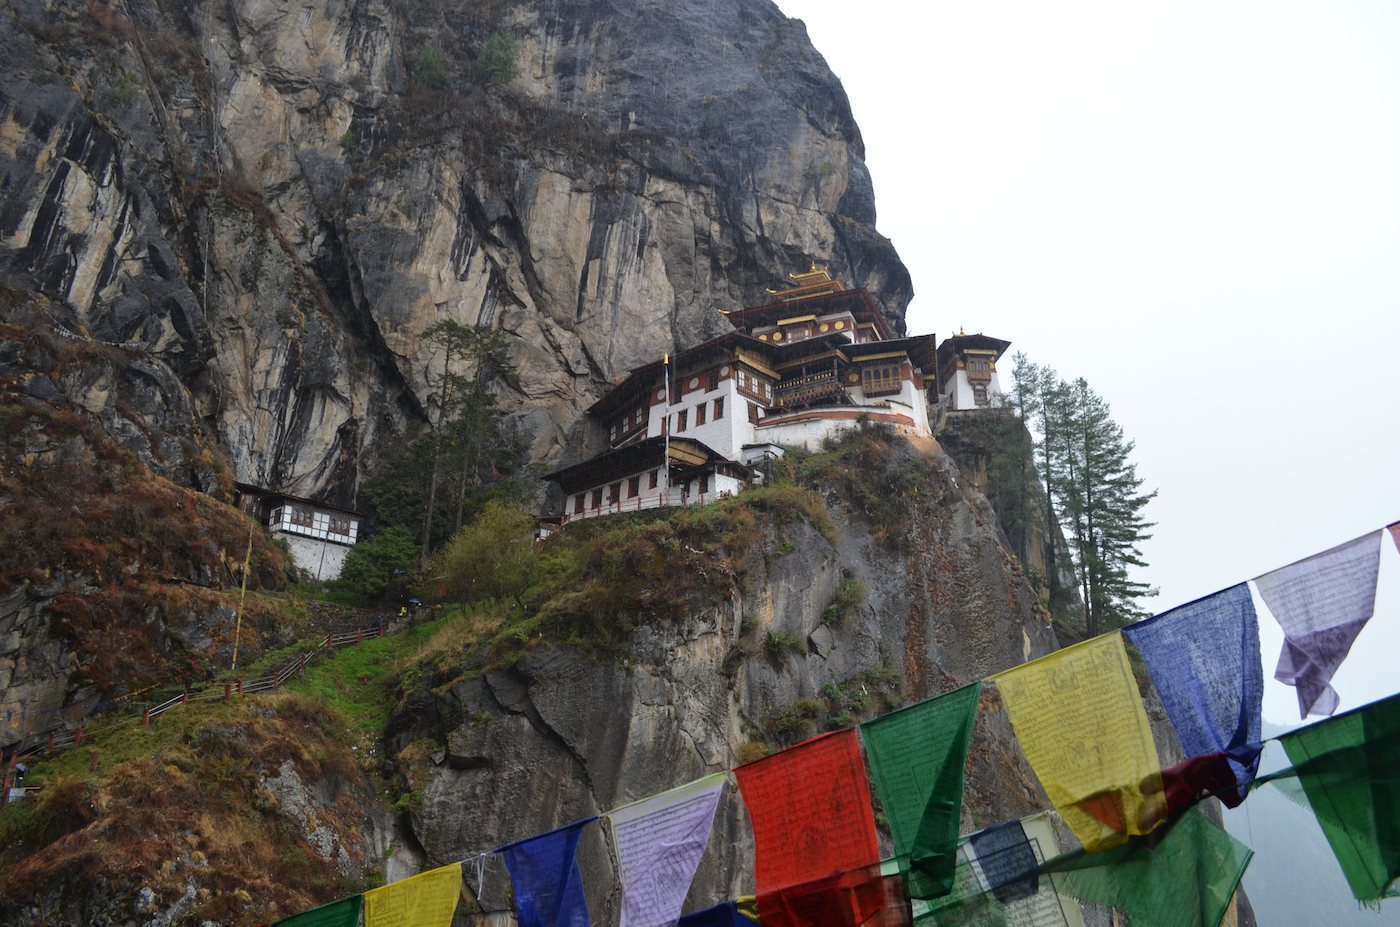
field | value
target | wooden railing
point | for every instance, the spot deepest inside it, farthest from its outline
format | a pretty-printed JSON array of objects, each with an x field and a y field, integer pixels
[{"x": 61, "y": 736}]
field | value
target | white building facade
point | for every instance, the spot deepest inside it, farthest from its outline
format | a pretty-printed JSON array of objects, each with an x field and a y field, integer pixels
[
  {"x": 967, "y": 372},
  {"x": 817, "y": 361},
  {"x": 318, "y": 535}
]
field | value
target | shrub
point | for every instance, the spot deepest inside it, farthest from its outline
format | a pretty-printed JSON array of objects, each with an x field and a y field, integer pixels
[
  {"x": 778, "y": 644},
  {"x": 749, "y": 752},
  {"x": 496, "y": 63},
  {"x": 431, "y": 69},
  {"x": 371, "y": 564},
  {"x": 492, "y": 557},
  {"x": 848, "y": 598}
]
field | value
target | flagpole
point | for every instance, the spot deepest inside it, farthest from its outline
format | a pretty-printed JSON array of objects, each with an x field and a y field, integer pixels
[{"x": 666, "y": 430}]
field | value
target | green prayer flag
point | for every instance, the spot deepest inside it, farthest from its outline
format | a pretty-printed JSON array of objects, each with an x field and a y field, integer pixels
[
  {"x": 916, "y": 762},
  {"x": 342, "y": 913},
  {"x": 1349, "y": 767},
  {"x": 1182, "y": 875},
  {"x": 967, "y": 904}
]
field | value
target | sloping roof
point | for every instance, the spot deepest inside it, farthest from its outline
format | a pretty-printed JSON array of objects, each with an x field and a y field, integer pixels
[
  {"x": 276, "y": 494},
  {"x": 858, "y": 302},
  {"x": 643, "y": 376},
  {"x": 918, "y": 347},
  {"x": 956, "y": 344},
  {"x": 686, "y": 453}
]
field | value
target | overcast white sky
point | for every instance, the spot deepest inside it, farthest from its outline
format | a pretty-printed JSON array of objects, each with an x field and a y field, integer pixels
[{"x": 1195, "y": 207}]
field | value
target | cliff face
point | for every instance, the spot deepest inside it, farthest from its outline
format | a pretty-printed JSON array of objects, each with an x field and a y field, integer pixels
[
  {"x": 559, "y": 735},
  {"x": 265, "y": 202}
]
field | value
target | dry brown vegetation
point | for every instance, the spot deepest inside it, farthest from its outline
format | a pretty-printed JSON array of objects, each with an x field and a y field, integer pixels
[
  {"x": 188, "y": 806},
  {"x": 117, "y": 542}
]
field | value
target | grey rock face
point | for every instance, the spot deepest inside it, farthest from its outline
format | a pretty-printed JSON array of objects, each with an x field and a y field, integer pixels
[
  {"x": 263, "y": 200},
  {"x": 561, "y": 735}
]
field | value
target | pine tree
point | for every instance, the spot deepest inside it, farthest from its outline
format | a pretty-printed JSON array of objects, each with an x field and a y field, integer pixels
[
  {"x": 468, "y": 420},
  {"x": 1094, "y": 492},
  {"x": 1100, "y": 503}
]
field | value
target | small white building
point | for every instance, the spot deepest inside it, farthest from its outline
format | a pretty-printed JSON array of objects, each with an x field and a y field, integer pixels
[
  {"x": 967, "y": 371},
  {"x": 318, "y": 534}
]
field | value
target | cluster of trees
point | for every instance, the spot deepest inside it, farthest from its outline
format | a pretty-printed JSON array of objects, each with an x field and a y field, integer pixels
[
  {"x": 495, "y": 65},
  {"x": 1064, "y": 448},
  {"x": 462, "y": 460}
]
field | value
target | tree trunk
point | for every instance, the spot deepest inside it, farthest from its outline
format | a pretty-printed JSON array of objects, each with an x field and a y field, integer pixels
[{"x": 432, "y": 503}]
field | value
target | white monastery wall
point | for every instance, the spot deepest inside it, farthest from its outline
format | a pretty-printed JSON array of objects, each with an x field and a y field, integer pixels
[{"x": 325, "y": 558}]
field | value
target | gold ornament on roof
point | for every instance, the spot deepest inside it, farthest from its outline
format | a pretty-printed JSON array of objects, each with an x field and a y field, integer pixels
[{"x": 815, "y": 282}]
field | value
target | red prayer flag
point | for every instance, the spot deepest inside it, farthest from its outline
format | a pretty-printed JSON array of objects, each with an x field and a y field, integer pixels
[
  {"x": 1194, "y": 778},
  {"x": 1395, "y": 533},
  {"x": 817, "y": 860}
]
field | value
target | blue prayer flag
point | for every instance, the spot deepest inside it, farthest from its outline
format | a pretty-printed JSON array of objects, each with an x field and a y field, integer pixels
[
  {"x": 1007, "y": 861},
  {"x": 1204, "y": 660},
  {"x": 726, "y": 914},
  {"x": 544, "y": 873}
]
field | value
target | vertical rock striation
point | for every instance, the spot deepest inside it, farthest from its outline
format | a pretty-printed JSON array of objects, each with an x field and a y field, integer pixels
[{"x": 275, "y": 202}]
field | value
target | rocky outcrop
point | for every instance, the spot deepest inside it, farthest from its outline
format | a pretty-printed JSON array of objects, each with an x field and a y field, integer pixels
[
  {"x": 560, "y": 735},
  {"x": 272, "y": 204}
]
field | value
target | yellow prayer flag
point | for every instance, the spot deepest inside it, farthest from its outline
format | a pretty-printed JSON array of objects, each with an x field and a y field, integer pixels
[
  {"x": 1082, "y": 727},
  {"x": 427, "y": 900}
]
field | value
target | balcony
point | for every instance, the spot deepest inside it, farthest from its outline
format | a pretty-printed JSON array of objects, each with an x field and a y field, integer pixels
[{"x": 808, "y": 390}]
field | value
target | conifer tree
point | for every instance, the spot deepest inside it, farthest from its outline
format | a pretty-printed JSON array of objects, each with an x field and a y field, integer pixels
[
  {"x": 1094, "y": 492},
  {"x": 468, "y": 421},
  {"x": 1101, "y": 502}
]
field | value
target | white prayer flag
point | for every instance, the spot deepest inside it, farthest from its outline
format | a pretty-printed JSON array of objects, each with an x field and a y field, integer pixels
[
  {"x": 658, "y": 842},
  {"x": 1322, "y": 603}
]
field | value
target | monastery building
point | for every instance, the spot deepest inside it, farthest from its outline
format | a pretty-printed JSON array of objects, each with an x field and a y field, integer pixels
[{"x": 814, "y": 361}]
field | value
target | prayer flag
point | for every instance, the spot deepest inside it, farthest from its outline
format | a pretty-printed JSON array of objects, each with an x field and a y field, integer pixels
[
  {"x": 342, "y": 913},
  {"x": 1007, "y": 861},
  {"x": 1198, "y": 776},
  {"x": 1395, "y": 534},
  {"x": 1182, "y": 876},
  {"x": 1079, "y": 718},
  {"x": 975, "y": 900},
  {"x": 544, "y": 873},
  {"x": 816, "y": 856},
  {"x": 658, "y": 843},
  {"x": 726, "y": 914},
  {"x": 1204, "y": 661},
  {"x": 1349, "y": 767},
  {"x": 1322, "y": 603},
  {"x": 426, "y": 900},
  {"x": 917, "y": 756}
]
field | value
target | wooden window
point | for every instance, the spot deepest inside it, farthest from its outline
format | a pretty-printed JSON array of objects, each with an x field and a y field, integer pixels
[
  {"x": 578, "y": 503},
  {"x": 753, "y": 413},
  {"x": 651, "y": 483},
  {"x": 303, "y": 516},
  {"x": 615, "y": 493},
  {"x": 877, "y": 380},
  {"x": 681, "y": 418},
  {"x": 597, "y": 498},
  {"x": 705, "y": 483},
  {"x": 719, "y": 409},
  {"x": 339, "y": 525},
  {"x": 612, "y": 432},
  {"x": 699, "y": 415},
  {"x": 634, "y": 487}
]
